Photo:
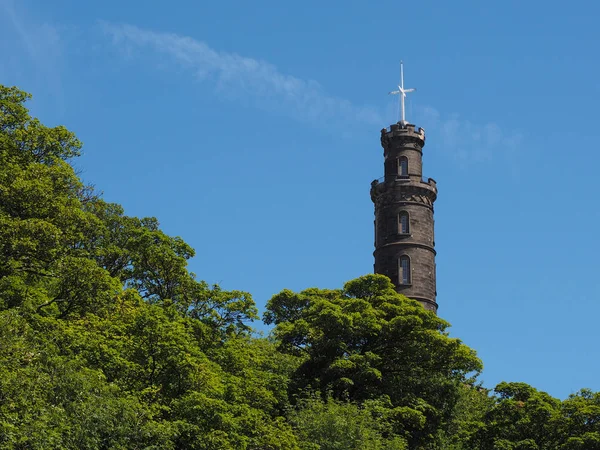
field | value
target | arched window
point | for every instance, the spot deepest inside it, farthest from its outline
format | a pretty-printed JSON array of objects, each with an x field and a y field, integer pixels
[
  {"x": 404, "y": 269},
  {"x": 403, "y": 223},
  {"x": 403, "y": 166}
]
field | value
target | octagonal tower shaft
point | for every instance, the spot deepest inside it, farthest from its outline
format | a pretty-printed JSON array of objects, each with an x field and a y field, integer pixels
[{"x": 404, "y": 225}]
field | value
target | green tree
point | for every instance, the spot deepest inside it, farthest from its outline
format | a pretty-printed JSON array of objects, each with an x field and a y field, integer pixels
[
  {"x": 52, "y": 400},
  {"x": 580, "y": 421},
  {"x": 467, "y": 418},
  {"x": 108, "y": 340},
  {"x": 366, "y": 342},
  {"x": 521, "y": 418},
  {"x": 338, "y": 425},
  {"x": 524, "y": 418}
]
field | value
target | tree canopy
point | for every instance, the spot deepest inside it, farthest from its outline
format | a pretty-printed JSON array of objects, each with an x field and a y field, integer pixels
[
  {"x": 108, "y": 341},
  {"x": 367, "y": 342}
]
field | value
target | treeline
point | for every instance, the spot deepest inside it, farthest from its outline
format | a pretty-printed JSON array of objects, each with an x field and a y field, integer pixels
[{"x": 107, "y": 341}]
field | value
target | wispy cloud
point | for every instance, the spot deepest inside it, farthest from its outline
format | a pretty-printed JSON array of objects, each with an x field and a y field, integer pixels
[
  {"x": 466, "y": 141},
  {"x": 242, "y": 78},
  {"x": 236, "y": 76},
  {"x": 35, "y": 55}
]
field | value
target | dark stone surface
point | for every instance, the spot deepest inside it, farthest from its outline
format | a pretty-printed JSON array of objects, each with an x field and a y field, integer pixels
[{"x": 415, "y": 196}]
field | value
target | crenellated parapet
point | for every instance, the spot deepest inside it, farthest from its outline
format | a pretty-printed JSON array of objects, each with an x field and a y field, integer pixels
[{"x": 403, "y": 133}]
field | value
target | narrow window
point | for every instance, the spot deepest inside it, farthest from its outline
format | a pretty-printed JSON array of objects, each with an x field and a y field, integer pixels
[
  {"x": 404, "y": 270},
  {"x": 403, "y": 223},
  {"x": 375, "y": 223},
  {"x": 403, "y": 166}
]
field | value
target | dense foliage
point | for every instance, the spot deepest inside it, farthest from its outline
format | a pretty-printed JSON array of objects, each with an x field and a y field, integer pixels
[{"x": 107, "y": 341}]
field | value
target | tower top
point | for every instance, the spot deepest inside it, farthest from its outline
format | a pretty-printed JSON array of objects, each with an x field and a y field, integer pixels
[
  {"x": 402, "y": 93},
  {"x": 404, "y": 131}
]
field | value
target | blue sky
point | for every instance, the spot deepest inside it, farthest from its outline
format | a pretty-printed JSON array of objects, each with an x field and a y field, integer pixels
[{"x": 251, "y": 129}]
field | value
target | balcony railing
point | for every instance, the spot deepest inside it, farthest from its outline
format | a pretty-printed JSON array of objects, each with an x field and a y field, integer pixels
[{"x": 404, "y": 178}]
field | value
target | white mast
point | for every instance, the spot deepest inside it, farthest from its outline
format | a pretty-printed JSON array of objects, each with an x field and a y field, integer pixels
[{"x": 402, "y": 92}]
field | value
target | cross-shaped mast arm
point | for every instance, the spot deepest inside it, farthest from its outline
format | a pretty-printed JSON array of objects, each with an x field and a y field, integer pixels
[{"x": 402, "y": 92}]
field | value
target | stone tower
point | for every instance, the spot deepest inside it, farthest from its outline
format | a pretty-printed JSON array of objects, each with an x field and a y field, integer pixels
[{"x": 404, "y": 238}]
